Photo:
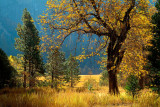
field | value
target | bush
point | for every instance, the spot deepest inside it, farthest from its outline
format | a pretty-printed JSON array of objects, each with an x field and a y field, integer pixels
[
  {"x": 104, "y": 79},
  {"x": 91, "y": 84},
  {"x": 41, "y": 83},
  {"x": 132, "y": 85}
]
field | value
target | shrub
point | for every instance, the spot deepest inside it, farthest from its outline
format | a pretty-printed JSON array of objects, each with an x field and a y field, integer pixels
[
  {"x": 104, "y": 79},
  {"x": 41, "y": 83},
  {"x": 132, "y": 85},
  {"x": 91, "y": 84}
]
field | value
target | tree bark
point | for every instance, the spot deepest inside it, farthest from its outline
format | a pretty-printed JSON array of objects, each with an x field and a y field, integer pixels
[
  {"x": 71, "y": 79},
  {"x": 32, "y": 78},
  {"x": 113, "y": 84},
  {"x": 115, "y": 56},
  {"x": 29, "y": 73},
  {"x": 52, "y": 80},
  {"x": 141, "y": 82},
  {"x": 24, "y": 82}
]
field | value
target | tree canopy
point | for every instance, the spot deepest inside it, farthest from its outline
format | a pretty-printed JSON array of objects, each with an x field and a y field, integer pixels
[{"x": 123, "y": 27}]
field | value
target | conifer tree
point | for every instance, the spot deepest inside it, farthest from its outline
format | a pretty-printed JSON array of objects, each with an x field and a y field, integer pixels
[
  {"x": 154, "y": 56},
  {"x": 28, "y": 43},
  {"x": 55, "y": 67},
  {"x": 72, "y": 71},
  {"x": 7, "y": 72}
]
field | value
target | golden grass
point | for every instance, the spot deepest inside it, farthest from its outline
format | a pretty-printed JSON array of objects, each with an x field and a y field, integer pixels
[
  {"x": 76, "y": 97},
  {"x": 146, "y": 98},
  {"x": 83, "y": 78},
  {"x": 47, "y": 97}
]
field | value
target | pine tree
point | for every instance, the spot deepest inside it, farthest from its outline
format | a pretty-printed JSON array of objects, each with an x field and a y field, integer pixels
[
  {"x": 55, "y": 67},
  {"x": 72, "y": 70},
  {"x": 132, "y": 85},
  {"x": 7, "y": 72},
  {"x": 28, "y": 43},
  {"x": 154, "y": 56}
]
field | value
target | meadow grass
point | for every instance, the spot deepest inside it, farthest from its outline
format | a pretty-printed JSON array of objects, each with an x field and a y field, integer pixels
[
  {"x": 83, "y": 78},
  {"x": 76, "y": 97},
  {"x": 47, "y": 97}
]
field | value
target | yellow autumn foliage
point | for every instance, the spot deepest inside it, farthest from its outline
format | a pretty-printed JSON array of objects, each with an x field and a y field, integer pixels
[{"x": 67, "y": 17}]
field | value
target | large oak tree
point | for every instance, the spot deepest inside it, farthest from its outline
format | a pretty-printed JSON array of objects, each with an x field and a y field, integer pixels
[{"x": 110, "y": 20}]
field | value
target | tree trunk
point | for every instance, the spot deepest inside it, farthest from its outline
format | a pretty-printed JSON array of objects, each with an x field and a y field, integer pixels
[
  {"x": 141, "y": 82},
  {"x": 52, "y": 80},
  {"x": 113, "y": 85},
  {"x": 29, "y": 73},
  {"x": 71, "y": 79},
  {"x": 24, "y": 82},
  {"x": 32, "y": 78},
  {"x": 56, "y": 83}
]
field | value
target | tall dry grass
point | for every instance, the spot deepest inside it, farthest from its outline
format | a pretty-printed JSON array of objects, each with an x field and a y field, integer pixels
[
  {"x": 76, "y": 97},
  {"x": 47, "y": 97}
]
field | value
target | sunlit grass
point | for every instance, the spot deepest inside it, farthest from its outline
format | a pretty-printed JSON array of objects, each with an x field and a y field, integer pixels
[
  {"x": 47, "y": 97},
  {"x": 76, "y": 97},
  {"x": 147, "y": 98},
  {"x": 83, "y": 78}
]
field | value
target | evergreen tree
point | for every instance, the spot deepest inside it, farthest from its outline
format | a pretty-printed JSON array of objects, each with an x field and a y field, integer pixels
[
  {"x": 55, "y": 67},
  {"x": 154, "y": 56},
  {"x": 7, "y": 72},
  {"x": 132, "y": 85},
  {"x": 28, "y": 43},
  {"x": 72, "y": 71}
]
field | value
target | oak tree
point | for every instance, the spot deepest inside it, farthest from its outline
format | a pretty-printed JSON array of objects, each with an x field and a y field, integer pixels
[{"x": 109, "y": 20}]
